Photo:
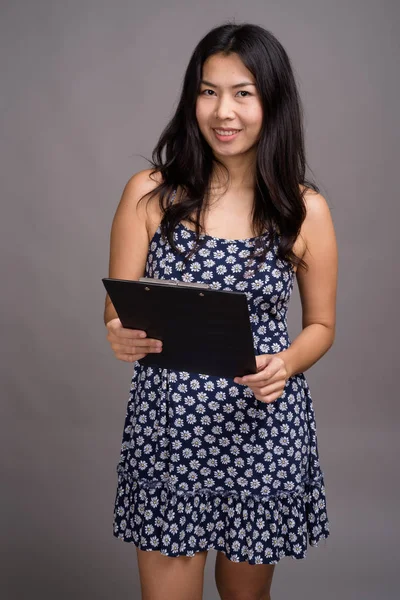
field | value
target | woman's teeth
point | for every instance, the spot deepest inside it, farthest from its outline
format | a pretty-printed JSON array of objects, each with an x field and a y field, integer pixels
[{"x": 230, "y": 132}]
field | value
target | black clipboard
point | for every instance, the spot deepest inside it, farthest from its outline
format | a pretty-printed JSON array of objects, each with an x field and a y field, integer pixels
[{"x": 203, "y": 330}]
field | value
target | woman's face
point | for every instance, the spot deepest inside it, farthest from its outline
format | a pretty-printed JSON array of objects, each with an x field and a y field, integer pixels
[{"x": 228, "y": 100}]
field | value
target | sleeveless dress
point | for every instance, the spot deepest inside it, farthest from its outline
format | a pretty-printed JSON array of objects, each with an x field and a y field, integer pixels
[{"x": 203, "y": 463}]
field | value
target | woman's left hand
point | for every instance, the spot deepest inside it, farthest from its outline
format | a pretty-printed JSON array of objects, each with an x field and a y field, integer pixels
[{"x": 269, "y": 382}]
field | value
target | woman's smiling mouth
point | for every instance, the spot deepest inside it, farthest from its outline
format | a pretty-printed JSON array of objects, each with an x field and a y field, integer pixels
[{"x": 225, "y": 135}]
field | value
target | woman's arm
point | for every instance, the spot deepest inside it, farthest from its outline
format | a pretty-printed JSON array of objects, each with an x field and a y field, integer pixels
[
  {"x": 317, "y": 288},
  {"x": 129, "y": 243},
  {"x": 129, "y": 239}
]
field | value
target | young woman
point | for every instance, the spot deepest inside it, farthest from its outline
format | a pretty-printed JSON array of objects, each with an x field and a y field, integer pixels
[{"x": 209, "y": 462}]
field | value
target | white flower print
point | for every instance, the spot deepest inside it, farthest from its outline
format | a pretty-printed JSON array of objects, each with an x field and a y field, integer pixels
[
  {"x": 237, "y": 268},
  {"x": 222, "y": 383},
  {"x": 207, "y": 275},
  {"x": 195, "y": 267},
  {"x": 229, "y": 280}
]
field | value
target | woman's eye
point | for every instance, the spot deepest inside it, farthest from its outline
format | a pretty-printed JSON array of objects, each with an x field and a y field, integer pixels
[{"x": 205, "y": 93}]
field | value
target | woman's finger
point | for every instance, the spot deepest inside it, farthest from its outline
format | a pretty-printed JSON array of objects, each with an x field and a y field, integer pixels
[
  {"x": 115, "y": 327},
  {"x": 129, "y": 334},
  {"x": 270, "y": 398},
  {"x": 270, "y": 389},
  {"x": 278, "y": 376},
  {"x": 132, "y": 342},
  {"x": 270, "y": 373},
  {"x": 130, "y": 349}
]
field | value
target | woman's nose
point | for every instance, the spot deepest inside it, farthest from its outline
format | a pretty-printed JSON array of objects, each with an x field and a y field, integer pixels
[{"x": 224, "y": 108}]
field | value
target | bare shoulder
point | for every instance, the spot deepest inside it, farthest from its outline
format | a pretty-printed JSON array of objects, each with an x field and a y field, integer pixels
[
  {"x": 141, "y": 183},
  {"x": 316, "y": 204},
  {"x": 318, "y": 282},
  {"x": 137, "y": 187},
  {"x": 318, "y": 221},
  {"x": 129, "y": 238}
]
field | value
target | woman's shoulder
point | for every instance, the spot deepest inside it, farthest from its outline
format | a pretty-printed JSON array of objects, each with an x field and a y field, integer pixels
[
  {"x": 143, "y": 182},
  {"x": 140, "y": 186},
  {"x": 314, "y": 201},
  {"x": 318, "y": 223},
  {"x": 317, "y": 218}
]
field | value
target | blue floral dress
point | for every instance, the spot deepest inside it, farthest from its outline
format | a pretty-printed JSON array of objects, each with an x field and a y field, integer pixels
[{"x": 203, "y": 463}]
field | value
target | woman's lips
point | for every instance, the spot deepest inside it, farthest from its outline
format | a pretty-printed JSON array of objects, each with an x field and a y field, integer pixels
[{"x": 228, "y": 136}]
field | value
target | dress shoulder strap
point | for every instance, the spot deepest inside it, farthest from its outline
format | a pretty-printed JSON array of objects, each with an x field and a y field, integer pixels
[{"x": 173, "y": 196}]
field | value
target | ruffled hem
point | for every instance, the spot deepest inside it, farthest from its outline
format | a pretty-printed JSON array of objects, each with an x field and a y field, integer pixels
[{"x": 246, "y": 527}]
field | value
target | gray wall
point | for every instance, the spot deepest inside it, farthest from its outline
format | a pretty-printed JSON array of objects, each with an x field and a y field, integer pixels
[{"x": 87, "y": 86}]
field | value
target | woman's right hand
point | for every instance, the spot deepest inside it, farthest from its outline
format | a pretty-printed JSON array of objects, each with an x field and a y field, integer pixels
[{"x": 129, "y": 344}]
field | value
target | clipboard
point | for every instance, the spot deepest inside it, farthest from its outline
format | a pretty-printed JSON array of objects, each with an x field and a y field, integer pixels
[{"x": 203, "y": 330}]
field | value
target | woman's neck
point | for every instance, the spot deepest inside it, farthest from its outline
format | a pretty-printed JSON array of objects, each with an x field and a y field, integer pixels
[{"x": 241, "y": 169}]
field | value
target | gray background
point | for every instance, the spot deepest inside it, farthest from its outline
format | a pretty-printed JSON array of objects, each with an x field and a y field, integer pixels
[{"x": 87, "y": 86}]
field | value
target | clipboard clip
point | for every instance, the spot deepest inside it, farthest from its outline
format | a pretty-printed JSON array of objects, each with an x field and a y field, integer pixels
[{"x": 203, "y": 286}]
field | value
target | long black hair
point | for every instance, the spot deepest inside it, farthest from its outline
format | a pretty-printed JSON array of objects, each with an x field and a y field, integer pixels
[{"x": 185, "y": 160}]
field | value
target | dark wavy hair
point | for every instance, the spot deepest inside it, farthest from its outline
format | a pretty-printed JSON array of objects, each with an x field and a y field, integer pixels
[{"x": 185, "y": 160}]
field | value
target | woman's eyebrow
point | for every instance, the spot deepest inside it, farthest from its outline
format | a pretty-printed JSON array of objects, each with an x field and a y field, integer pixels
[{"x": 242, "y": 84}]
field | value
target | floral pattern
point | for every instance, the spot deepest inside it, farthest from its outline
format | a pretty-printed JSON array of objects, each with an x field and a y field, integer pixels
[{"x": 203, "y": 463}]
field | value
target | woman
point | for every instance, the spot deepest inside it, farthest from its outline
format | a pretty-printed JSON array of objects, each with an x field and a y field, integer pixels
[{"x": 208, "y": 462}]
